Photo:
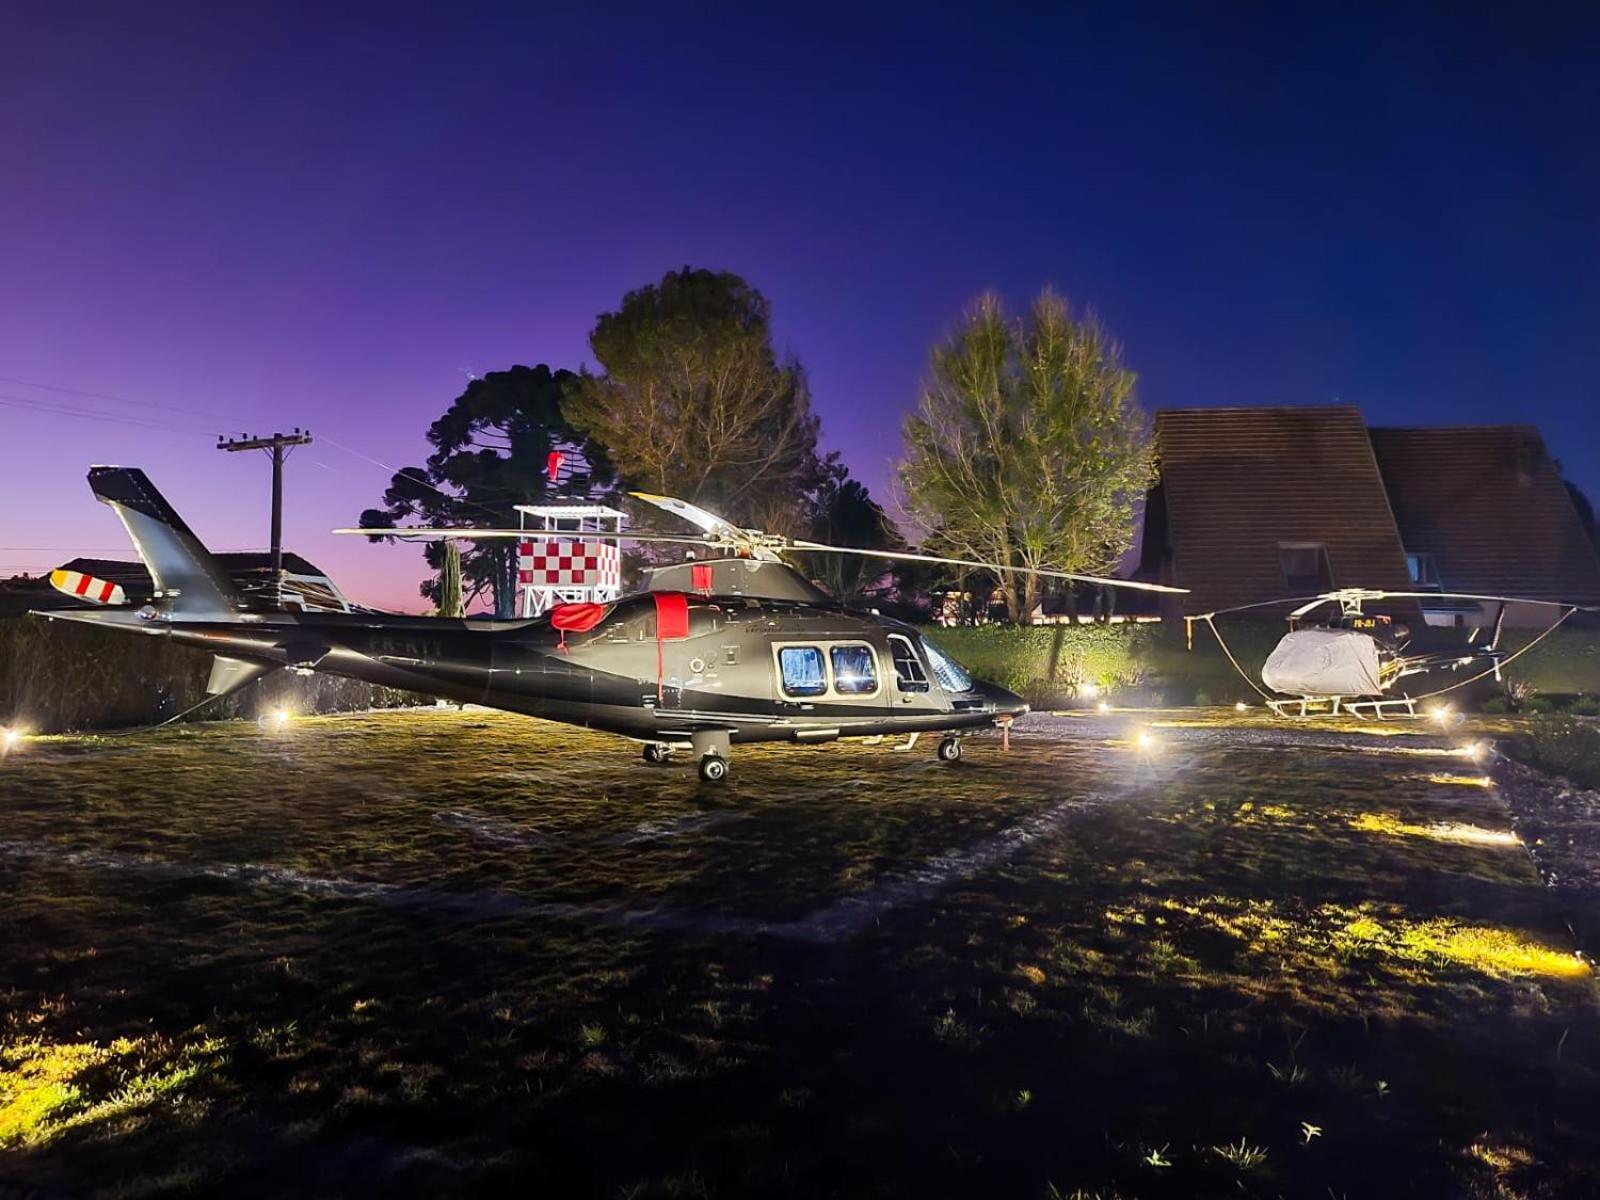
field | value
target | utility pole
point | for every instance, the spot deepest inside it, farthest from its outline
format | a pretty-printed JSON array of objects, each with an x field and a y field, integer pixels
[{"x": 276, "y": 445}]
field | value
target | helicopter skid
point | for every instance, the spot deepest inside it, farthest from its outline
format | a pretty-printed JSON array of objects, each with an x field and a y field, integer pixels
[{"x": 1304, "y": 707}]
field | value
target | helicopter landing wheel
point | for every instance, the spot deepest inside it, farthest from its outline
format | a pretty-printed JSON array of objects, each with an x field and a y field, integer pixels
[
  {"x": 713, "y": 768},
  {"x": 655, "y": 752},
  {"x": 950, "y": 750}
]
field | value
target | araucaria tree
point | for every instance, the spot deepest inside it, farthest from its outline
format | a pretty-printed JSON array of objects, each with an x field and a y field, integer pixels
[
  {"x": 489, "y": 453},
  {"x": 693, "y": 401},
  {"x": 1028, "y": 447}
]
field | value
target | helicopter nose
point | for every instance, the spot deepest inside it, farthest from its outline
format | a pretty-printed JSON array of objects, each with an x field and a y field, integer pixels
[{"x": 1004, "y": 703}]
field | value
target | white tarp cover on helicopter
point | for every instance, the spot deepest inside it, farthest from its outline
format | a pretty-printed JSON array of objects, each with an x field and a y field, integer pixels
[{"x": 1323, "y": 662}]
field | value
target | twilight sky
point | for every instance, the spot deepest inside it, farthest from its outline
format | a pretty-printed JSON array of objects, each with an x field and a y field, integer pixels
[{"x": 239, "y": 217}]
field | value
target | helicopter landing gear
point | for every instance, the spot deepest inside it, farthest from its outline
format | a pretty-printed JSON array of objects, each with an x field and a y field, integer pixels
[
  {"x": 711, "y": 748},
  {"x": 950, "y": 750},
  {"x": 655, "y": 752}
]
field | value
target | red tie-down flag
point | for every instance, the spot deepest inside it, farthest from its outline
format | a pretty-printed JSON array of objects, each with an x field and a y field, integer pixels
[{"x": 553, "y": 465}]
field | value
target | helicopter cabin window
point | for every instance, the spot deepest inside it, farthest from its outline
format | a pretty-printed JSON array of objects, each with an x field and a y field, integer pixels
[
  {"x": 855, "y": 671},
  {"x": 802, "y": 670},
  {"x": 908, "y": 672},
  {"x": 1305, "y": 566},
  {"x": 1424, "y": 571}
]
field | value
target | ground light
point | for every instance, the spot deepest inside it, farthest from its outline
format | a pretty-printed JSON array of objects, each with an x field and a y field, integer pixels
[
  {"x": 1089, "y": 690},
  {"x": 1104, "y": 706},
  {"x": 11, "y": 738},
  {"x": 1241, "y": 706}
]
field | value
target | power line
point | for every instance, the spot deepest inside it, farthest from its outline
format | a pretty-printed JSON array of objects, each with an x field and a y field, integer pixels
[
  {"x": 68, "y": 391},
  {"x": 153, "y": 423},
  {"x": 65, "y": 410}
]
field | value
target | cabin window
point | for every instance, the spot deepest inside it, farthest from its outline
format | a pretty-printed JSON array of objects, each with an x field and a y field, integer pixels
[
  {"x": 1424, "y": 570},
  {"x": 1305, "y": 566},
  {"x": 908, "y": 672},
  {"x": 946, "y": 670},
  {"x": 802, "y": 670},
  {"x": 855, "y": 671}
]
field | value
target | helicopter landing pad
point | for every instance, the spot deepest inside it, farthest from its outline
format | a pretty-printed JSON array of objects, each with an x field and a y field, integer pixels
[{"x": 439, "y": 952}]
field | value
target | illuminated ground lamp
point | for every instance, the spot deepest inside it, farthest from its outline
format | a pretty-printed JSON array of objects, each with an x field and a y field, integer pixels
[
  {"x": 1145, "y": 742},
  {"x": 1241, "y": 706},
  {"x": 1104, "y": 706},
  {"x": 11, "y": 738},
  {"x": 1089, "y": 691}
]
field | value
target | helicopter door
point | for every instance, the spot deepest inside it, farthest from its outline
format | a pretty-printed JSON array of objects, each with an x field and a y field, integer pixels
[{"x": 912, "y": 690}]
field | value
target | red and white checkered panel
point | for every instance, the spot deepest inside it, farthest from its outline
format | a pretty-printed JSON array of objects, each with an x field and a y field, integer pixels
[{"x": 567, "y": 564}]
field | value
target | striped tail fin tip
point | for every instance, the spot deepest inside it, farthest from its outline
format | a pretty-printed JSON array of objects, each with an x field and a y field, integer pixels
[{"x": 87, "y": 587}]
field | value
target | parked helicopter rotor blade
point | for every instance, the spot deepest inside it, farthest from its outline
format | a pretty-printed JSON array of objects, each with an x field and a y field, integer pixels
[
  {"x": 695, "y": 515},
  {"x": 445, "y": 532},
  {"x": 905, "y": 556},
  {"x": 1382, "y": 595},
  {"x": 1308, "y": 606},
  {"x": 1307, "y": 603}
]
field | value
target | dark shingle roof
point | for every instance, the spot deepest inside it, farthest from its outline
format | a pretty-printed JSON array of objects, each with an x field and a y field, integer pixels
[
  {"x": 1238, "y": 481},
  {"x": 1489, "y": 504}
]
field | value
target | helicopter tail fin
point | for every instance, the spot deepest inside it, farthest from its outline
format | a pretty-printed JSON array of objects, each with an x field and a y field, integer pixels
[{"x": 188, "y": 579}]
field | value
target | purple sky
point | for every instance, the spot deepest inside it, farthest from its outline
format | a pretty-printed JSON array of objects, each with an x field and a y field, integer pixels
[{"x": 277, "y": 217}]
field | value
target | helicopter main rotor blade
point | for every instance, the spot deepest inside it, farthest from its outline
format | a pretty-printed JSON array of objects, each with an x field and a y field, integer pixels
[
  {"x": 444, "y": 532},
  {"x": 1381, "y": 595},
  {"x": 904, "y": 556},
  {"x": 708, "y": 521},
  {"x": 1308, "y": 606},
  {"x": 1307, "y": 603}
]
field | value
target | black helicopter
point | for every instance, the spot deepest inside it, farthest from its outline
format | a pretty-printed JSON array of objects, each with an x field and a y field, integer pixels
[
  {"x": 1353, "y": 660},
  {"x": 741, "y": 648}
]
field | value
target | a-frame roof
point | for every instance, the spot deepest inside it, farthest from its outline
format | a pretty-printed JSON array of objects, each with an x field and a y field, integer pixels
[
  {"x": 1238, "y": 482},
  {"x": 1489, "y": 504}
]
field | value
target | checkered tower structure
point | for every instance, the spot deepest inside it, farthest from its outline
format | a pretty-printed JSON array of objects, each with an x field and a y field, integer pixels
[{"x": 568, "y": 561}]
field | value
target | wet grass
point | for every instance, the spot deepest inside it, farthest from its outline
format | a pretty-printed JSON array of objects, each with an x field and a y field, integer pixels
[{"x": 398, "y": 954}]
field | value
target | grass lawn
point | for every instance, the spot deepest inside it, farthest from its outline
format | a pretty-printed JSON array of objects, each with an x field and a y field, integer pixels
[{"x": 439, "y": 953}]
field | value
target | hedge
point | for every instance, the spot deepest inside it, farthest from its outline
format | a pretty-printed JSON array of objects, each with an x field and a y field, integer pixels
[
  {"x": 1049, "y": 664},
  {"x": 56, "y": 676}
]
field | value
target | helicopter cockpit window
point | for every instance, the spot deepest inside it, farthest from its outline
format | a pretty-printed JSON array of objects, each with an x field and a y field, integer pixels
[
  {"x": 802, "y": 670},
  {"x": 855, "y": 673},
  {"x": 908, "y": 672},
  {"x": 946, "y": 670}
]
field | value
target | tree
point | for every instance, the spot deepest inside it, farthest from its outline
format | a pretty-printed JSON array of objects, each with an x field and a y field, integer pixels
[
  {"x": 490, "y": 451},
  {"x": 843, "y": 513},
  {"x": 1028, "y": 448},
  {"x": 451, "y": 602},
  {"x": 694, "y": 402}
]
